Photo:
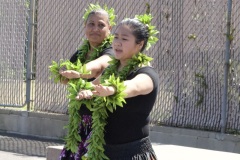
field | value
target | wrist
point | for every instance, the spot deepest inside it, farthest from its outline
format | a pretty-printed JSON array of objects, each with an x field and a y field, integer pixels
[
  {"x": 79, "y": 75},
  {"x": 113, "y": 90}
]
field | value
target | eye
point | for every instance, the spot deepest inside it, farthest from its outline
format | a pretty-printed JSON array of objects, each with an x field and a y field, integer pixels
[
  {"x": 101, "y": 25},
  {"x": 124, "y": 39},
  {"x": 90, "y": 24},
  {"x": 115, "y": 37}
]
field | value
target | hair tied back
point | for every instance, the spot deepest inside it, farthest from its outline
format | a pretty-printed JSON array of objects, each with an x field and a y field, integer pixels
[
  {"x": 146, "y": 19},
  {"x": 93, "y": 7}
]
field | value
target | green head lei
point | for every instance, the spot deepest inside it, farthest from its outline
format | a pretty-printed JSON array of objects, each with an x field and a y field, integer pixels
[
  {"x": 146, "y": 19},
  {"x": 93, "y": 7}
]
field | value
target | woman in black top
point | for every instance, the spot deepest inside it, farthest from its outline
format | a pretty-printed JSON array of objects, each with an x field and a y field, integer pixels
[
  {"x": 95, "y": 52},
  {"x": 127, "y": 128}
]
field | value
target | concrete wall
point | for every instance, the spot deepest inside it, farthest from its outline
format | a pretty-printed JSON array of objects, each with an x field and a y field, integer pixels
[
  {"x": 51, "y": 126},
  {"x": 33, "y": 123}
]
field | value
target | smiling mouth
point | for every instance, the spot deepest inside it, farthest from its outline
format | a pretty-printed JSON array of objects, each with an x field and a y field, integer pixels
[{"x": 118, "y": 50}]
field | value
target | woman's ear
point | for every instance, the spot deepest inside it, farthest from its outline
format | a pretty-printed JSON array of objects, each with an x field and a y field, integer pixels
[
  {"x": 110, "y": 28},
  {"x": 141, "y": 45}
]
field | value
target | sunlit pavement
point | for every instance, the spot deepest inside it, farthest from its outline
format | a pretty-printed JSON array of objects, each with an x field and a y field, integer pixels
[
  {"x": 174, "y": 152},
  {"x": 15, "y": 147}
]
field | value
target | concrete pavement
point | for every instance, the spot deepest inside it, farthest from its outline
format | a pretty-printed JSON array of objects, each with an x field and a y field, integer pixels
[
  {"x": 17, "y": 156},
  {"x": 174, "y": 152},
  {"x": 19, "y": 147},
  {"x": 163, "y": 151},
  {"x": 16, "y": 147}
]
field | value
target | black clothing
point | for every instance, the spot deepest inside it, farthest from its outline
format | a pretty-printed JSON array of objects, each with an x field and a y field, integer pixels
[
  {"x": 137, "y": 150},
  {"x": 131, "y": 122}
]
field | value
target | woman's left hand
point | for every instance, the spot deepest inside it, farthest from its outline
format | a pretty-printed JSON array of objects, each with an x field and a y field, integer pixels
[
  {"x": 103, "y": 91},
  {"x": 99, "y": 90},
  {"x": 70, "y": 74},
  {"x": 84, "y": 94}
]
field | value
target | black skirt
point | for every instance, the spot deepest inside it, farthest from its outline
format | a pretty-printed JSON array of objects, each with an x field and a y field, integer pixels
[{"x": 137, "y": 150}]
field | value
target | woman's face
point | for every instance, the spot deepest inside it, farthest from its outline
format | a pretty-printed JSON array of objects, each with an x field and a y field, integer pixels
[
  {"x": 124, "y": 44},
  {"x": 97, "y": 28}
]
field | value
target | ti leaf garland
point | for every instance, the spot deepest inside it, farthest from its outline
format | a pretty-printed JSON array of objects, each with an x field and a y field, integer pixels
[
  {"x": 136, "y": 61},
  {"x": 55, "y": 67},
  {"x": 85, "y": 48},
  {"x": 73, "y": 138}
]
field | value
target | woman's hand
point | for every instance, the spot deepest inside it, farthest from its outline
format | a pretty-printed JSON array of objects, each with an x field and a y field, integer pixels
[
  {"x": 103, "y": 91},
  {"x": 69, "y": 74},
  {"x": 84, "y": 94},
  {"x": 99, "y": 90}
]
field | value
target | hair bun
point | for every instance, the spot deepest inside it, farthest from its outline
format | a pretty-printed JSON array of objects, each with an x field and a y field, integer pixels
[{"x": 146, "y": 19}]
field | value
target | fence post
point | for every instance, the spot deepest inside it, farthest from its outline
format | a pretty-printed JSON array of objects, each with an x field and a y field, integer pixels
[
  {"x": 29, "y": 52},
  {"x": 226, "y": 70}
]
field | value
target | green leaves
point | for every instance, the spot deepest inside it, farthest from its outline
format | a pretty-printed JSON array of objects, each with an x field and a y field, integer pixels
[
  {"x": 55, "y": 68},
  {"x": 73, "y": 137},
  {"x": 118, "y": 98},
  {"x": 93, "y": 7},
  {"x": 85, "y": 48},
  {"x": 146, "y": 19},
  {"x": 136, "y": 61}
]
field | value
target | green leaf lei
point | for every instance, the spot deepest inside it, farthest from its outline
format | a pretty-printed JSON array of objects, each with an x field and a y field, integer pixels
[
  {"x": 101, "y": 105},
  {"x": 84, "y": 49},
  {"x": 55, "y": 67},
  {"x": 93, "y": 7},
  {"x": 136, "y": 61}
]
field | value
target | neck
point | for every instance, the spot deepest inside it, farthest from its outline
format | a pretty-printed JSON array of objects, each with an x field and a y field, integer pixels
[
  {"x": 123, "y": 63},
  {"x": 94, "y": 45}
]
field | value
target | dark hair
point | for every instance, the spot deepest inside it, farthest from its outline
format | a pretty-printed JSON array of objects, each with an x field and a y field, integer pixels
[
  {"x": 139, "y": 30},
  {"x": 101, "y": 11}
]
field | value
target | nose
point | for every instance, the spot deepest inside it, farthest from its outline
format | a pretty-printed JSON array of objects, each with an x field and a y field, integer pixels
[
  {"x": 95, "y": 28},
  {"x": 117, "y": 43}
]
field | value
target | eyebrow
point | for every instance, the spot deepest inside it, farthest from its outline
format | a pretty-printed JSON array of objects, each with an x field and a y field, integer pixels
[{"x": 124, "y": 35}]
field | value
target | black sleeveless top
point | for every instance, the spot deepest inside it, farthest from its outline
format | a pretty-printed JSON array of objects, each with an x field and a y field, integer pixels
[
  {"x": 131, "y": 122},
  {"x": 73, "y": 59}
]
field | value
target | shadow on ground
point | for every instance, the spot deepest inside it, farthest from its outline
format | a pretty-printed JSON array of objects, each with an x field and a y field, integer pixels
[{"x": 27, "y": 145}]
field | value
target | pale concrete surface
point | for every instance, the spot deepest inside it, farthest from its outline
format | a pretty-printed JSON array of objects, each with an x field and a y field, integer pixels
[
  {"x": 163, "y": 152},
  {"x": 174, "y": 152},
  {"x": 40, "y": 124},
  {"x": 195, "y": 138},
  {"x": 53, "y": 152},
  {"x": 17, "y": 156},
  {"x": 19, "y": 147},
  {"x": 169, "y": 152}
]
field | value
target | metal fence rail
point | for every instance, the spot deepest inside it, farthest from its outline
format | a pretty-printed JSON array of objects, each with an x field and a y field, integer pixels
[{"x": 190, "y": 57}]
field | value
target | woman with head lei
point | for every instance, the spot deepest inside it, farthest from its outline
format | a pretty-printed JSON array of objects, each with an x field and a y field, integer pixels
[
  {"x": 95, "y": 52},
  {"x": 126, "y": 133}
]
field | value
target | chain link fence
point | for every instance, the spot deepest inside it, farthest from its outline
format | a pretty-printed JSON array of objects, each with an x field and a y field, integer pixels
[
  {"x": 13, "y": 43},
  {"x": 190, "y": 57}
]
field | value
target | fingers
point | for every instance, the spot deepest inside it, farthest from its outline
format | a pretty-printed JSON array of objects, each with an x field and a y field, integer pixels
[
  {"x": 96, "y": 93},
  {"x": 70, "y": 74},
  {"x": 85, "y": 94}
]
